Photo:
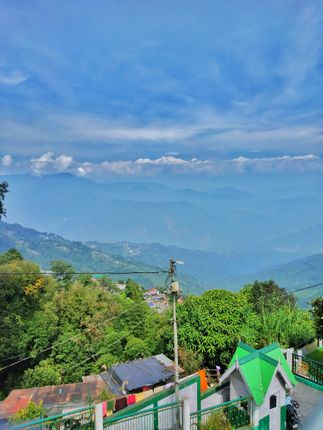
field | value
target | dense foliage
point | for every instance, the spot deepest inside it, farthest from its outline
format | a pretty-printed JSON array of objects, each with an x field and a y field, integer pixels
[
  {"x": 317, "y": 311},
  {"x": 55, "y": 329},
  {"x": 31, "y": 411}
]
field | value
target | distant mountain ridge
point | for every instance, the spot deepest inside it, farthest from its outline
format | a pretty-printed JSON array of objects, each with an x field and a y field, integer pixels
[
  {"x": 202, "y": 270},
  {"x": 227, "y": 216},
  {"x": 44, "y": 247}
]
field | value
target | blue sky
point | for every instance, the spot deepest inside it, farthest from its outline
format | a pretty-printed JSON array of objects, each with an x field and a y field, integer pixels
[{"x": 126, "y": 87}]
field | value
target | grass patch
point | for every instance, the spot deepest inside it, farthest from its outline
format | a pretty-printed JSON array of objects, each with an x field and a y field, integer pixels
[{"x": 316, "y": 355}]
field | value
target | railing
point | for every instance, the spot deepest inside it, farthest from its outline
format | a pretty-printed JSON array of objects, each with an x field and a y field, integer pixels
[
  {"x": 237, "y": 412},
  {"x": 308, "y": 368},
  {"x": 159, "y": 418},
  {"x": 78, "y": 419}
]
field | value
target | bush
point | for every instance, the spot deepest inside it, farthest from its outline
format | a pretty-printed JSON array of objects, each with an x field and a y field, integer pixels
[
  {"x": 31, "y": 411},
  {"x": 217, "y": 421}
]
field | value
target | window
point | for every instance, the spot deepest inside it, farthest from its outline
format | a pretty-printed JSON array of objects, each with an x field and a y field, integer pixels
[{"x": 272, "y": 402}]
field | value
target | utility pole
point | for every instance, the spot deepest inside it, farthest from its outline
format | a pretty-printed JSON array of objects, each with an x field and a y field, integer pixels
[{"x": 175, "y": 291}]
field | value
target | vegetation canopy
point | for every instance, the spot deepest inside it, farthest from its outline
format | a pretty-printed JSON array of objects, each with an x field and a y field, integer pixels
[{"x": 56, "y": 328}]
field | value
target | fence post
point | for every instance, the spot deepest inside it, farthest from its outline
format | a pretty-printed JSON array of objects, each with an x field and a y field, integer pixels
[
  {"x": 98, "y": 417},
  {"x": 186, "y": 414},
  {"x": 289, "y": 357}
]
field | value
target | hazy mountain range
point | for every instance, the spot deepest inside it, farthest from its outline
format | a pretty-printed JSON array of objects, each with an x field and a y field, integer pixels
[
  {"x": 249, "y": 213},
  {"x": 202, "y": 270},
  {"x": 228, "y": 230}
]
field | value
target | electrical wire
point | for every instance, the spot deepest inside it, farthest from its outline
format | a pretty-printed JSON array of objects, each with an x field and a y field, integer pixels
[
  {"x": 138, "y": 272},
  {"x": 108, "y": 346},
  {"x": 66, "y": 340},
  {"x": 305, "y": 288}
]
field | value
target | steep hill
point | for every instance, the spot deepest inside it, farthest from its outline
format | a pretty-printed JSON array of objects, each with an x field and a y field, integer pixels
[
  {"x": 44, "y": 247},
  {"x": 294, "y": 275}
]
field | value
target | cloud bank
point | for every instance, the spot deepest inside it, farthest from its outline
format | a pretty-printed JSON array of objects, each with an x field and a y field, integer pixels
[{"x": 49, "y": 163}]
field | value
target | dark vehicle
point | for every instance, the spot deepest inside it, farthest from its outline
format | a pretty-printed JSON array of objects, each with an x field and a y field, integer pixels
[{"x": 293, "y": 420}]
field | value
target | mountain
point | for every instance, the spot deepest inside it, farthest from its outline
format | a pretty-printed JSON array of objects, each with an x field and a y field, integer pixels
[
  {"x": 210, "y": 268},
  {"x": 227, "y": 215},
  {"x": 202, "y": 270},
  {"x": 45, "y": 247},
  {"x": 293, "y": 275},
  {"x": 306, "y": 241}
]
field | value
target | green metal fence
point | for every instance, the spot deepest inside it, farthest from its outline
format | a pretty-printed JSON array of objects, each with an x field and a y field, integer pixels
[
  {"x": 82, "y": 418},
  {"x": 308, "y": 368},
  {"x": 158, "y": 418},
  {"x": 237, "y": 412}
]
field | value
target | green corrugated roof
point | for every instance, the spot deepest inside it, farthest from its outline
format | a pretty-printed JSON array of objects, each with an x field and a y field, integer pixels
[
  {"x": 258, "y": 367},
  {"x": 276, "y": 353},
  {"x": 242, "y": 350}
]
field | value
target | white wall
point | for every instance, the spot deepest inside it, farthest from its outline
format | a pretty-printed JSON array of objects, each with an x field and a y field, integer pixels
[
  {"x": 276, "y": 386},
  {"x": 212, "y": 400},
  {"x": 237, "y": 386}
]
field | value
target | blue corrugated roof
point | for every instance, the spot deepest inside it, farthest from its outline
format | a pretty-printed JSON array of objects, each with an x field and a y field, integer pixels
[{"x": 139, "y": 373}]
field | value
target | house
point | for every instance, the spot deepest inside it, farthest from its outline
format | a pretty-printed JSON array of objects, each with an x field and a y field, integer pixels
[
  {"x": 139, "y": 375},
  {"x": 156, "y": 300},
  {"x": 263, "y": 375},
  {"x": 56, "y": 399}
]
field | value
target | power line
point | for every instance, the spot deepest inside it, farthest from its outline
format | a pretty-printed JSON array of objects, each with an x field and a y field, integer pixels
[
  {"x": 108, "y": 346},
  {"x": 66, "y": 340},
  {"x": 136, "y": 272},
  {"x": 305, "y": 288}
]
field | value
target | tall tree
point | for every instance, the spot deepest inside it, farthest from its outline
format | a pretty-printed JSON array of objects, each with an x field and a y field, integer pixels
[
  {"x": 62, "y": 272},
  {"x": 266, "y": 296},
  {"x": 317, "y": 312},
  {"x": 213, "y": 323}
]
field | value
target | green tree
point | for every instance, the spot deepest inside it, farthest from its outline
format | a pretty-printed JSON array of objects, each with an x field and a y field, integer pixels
[
  {"x": 20, "y": 296},
  {"x": 286, "y": 325},
  {"x": 62, "y": 272},
  {"x": 11, "y": 255},
  {"x": 266, "y": 296},
  {"x": 276, "y": 316},
  {"x": 218, "y": 420},
  {"x": 317, "y": 312},
  {"x": 108, "y": 284},
  {"x": 133, "y": 290},
  {"x": 213, "y": 323},
  {"x": 4, "y": 188},
  {"x": 136, "y": 348},
  {"x": 45, "y": 373},
  {"x": 190, "y": 361},
  {"x": 31, "y": 411},
  {"x": 86, "y": 280}
]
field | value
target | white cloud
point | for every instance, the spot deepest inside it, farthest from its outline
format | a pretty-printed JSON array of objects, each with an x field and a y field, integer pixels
[
  {"x": 6, "y": 160},
  {"x": 165, "y": 160},
  {"x": 47, "y": 163},
  {"x": 213, "y": 167},
  {"x": 281, "y": 163},
  {"x": 63, "y": 162},
  {"x": 12, "y": 78}
]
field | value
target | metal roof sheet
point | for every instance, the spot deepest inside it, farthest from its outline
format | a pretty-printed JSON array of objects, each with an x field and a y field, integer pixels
[
  {"x": 258, "y": 367},
  {"x": 140, "y": 373}
]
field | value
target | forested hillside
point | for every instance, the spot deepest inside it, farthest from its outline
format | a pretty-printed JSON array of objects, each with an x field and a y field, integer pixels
[
  {"x": 45, "y": 247},
  {"x": 55, "y": 329}
]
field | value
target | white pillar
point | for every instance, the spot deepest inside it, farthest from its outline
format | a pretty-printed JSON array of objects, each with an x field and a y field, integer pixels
[
  {"x": 186, "y": 414},
  {"x": 289, "y": 357},
  {"x": 98, "y": 417}
]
